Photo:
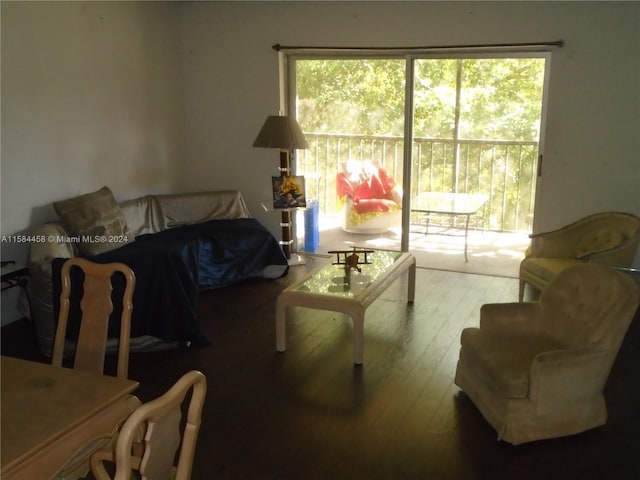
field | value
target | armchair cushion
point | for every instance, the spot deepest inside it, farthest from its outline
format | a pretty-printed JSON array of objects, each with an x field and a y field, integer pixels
[
  {"x": 505, "y": 369},
  {"x": 547, "y": 268}
]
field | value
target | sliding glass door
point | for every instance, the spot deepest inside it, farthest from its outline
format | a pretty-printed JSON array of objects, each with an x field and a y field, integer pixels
[{"x": 475, "y": 132}]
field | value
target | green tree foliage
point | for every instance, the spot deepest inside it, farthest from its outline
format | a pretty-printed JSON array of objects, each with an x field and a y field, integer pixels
[
  {"x": 501, "y": 98},
  {"x": 434, "y": 105},
  {"x": 498, "y": 99},
  {"x": 351, "y": 96}
]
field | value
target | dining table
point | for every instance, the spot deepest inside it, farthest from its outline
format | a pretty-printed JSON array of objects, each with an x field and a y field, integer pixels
[{"x": 50, "y": 415}]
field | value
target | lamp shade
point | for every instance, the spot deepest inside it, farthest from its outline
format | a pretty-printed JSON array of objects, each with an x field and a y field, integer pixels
[{"x": 281, "y": 132}]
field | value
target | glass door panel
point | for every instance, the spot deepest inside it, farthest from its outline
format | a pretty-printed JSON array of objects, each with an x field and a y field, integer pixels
[
  {"x": 352, "y": 113},
  {"x": 476, "y": 134}
]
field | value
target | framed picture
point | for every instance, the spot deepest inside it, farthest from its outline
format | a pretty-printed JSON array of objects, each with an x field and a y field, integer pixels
[{"x": 289, "y": 192}]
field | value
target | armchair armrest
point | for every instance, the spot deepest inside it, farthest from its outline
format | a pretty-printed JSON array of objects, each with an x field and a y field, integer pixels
[
  {"x": 510, "y": 318},
  {"x": 557, "y": 243},
  {"x": 562, "y": 377}
]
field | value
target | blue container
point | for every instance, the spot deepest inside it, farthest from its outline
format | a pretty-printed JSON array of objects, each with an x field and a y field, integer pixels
[{"x": 311, "y": 230}]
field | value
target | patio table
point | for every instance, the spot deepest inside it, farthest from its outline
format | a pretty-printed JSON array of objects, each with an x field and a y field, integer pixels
[{"x": 452, "y": 204}]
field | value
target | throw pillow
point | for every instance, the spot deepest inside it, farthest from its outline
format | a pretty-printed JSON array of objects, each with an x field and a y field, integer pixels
[{"x": 95, "y": 220}]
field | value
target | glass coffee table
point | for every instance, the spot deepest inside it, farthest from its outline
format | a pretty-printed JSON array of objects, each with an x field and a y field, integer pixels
[{"x": 335, "y": 288}]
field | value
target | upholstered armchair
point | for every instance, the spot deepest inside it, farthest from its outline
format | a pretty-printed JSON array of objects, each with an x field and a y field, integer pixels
[
  {"x": 370, "y": 198},
  {"x": 537, "y": 370},
  {"x": 608, "y": 238}
]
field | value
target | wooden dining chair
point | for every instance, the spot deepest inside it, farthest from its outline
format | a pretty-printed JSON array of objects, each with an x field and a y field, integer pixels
[
  {"x": 96, "y": 307},
  {"x": 149, "y": 439}
]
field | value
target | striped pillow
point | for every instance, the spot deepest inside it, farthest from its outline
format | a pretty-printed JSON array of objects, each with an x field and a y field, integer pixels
[{"x": 95, "y": 222}]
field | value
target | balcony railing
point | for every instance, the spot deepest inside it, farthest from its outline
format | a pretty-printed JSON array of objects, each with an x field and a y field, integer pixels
[{"x": 503, "y": 170}]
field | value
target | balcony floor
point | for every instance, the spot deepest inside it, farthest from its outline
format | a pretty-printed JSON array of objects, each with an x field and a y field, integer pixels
[{"x": 490, "y": 253}]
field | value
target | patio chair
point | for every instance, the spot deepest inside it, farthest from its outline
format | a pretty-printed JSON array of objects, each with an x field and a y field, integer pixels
[{"x": 371, "y": 199}]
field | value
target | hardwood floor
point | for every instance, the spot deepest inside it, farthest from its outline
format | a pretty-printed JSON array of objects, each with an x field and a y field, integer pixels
[{"x": 309, "y": 413}]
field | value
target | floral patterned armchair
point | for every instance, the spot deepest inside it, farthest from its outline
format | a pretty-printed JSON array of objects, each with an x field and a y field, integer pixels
[{"x": 370, "y": 198}]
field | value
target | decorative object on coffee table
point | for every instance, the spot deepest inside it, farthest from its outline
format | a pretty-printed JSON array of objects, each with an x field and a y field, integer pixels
[{"x": 350, "y": 258}]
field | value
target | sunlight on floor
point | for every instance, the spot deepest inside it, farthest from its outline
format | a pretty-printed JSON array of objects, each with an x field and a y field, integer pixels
[{"x": 489, "y": 252}]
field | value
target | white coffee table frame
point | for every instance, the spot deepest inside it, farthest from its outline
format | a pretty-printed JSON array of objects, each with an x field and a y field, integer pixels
[{"x": 355, "y": 306}]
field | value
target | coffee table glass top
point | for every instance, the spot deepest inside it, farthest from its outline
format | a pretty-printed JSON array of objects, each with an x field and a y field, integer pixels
[{"x": 334, "y": 280}]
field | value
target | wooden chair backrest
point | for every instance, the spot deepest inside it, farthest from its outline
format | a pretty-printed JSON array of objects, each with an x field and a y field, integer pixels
[
  {"x": 96, "y": 307},
  {"x": 158, "y": 424}
]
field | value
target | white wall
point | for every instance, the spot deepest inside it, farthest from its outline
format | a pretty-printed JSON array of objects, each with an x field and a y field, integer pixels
[
  {"x": 150, "y": 97},
  {"x": 90, "y": 97}
]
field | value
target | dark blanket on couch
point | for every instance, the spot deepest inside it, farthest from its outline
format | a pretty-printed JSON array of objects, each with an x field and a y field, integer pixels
[{"x": 171, "y": 267}]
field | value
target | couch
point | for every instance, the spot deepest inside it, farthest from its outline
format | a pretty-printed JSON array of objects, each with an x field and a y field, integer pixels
[
  {"x": 371, "y": 200},
  {"x": 178, "y": 245},
  {"x": 607, "y": 238}
]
